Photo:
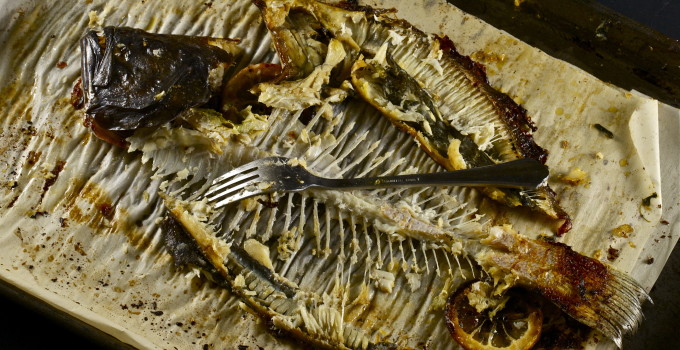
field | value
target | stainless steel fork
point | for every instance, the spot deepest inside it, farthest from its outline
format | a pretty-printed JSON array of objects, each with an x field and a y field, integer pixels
[{"x": 280, "y": 174}]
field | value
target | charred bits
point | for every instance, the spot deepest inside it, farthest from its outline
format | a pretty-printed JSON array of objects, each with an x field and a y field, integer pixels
[
  {"x": 54, "y": 175},
  {"x": 79, "y": 248},
  {"x": 604, "y": 131},
  {"x": 613, "y": 254},
  {"x": 268, "y": 203},
  {"x": 38, "y": 214},
  {"x": 107, "y": 210},
  {"x": 33, "y": 158},
  {"x": 647, "y": 202},
  {"x": 77, "y": 100}
]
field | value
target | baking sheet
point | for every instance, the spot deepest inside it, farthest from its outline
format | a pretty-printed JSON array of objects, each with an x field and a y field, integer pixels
[{"x": 119, "y": 278}]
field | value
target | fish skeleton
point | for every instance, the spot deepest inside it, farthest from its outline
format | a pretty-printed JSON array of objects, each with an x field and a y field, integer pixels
[
  {"x": 432, "y": 92},
  {"x": 359, "y": 239}
]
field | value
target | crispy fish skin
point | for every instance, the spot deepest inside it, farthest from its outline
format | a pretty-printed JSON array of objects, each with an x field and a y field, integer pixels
[{"x": 460, "y": 97}]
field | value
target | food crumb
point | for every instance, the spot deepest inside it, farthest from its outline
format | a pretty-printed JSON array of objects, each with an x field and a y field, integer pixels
[
  {"x": 612, "y": 254},
  {"x": 78, "y": 248},
  {"x": 622, "y": 231},
  {"x": 623, "y": 162},
  {"x": 575, "y": 177},
  {"x": 599, "y": 155},
  {"x": 649, "y": 261},
  {"x": 61, "y": 64},
  {"x": 597, "y": 254},
  {"x": 94, "y": 19},
  {"x": 564, "y": 144}
]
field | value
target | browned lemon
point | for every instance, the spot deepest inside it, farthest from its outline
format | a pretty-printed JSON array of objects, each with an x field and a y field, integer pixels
[{"x": 516, "y": 326}]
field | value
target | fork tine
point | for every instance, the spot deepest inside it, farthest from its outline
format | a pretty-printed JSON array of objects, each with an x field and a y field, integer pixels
[
  {"x": 238, "y": 170},
  {"x": 236, "y": 196},
  {"x": 247, "y": 176},
  {"x": 233, "y": 187}
]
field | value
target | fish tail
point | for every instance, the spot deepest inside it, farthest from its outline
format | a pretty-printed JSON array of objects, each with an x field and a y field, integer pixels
[{"x": 588, "y": 290}]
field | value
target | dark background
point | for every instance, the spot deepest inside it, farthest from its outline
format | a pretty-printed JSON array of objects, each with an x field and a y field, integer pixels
[
  {"x": 662, "y": 15},
  {"x": 24, "y": 327}
]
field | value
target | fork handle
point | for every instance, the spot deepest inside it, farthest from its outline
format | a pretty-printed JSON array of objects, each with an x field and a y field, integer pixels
[{"x": 521, "y": 173}]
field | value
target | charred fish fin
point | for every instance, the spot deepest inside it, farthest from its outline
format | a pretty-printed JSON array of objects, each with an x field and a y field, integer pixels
[{"x": 514, "y": 116}]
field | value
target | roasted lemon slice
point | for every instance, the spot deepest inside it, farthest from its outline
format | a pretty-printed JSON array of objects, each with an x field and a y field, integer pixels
[{"x": 477, "y": 321}]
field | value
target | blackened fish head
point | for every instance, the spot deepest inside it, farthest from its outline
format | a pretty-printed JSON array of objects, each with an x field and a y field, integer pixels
[{"x": 133, "y": 79}]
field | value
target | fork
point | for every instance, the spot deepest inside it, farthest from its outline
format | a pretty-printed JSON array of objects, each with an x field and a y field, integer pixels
[{"x": 280, "y": 174}]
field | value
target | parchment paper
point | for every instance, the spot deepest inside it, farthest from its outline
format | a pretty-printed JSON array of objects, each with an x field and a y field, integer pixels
[{"x": 63, "y": 244}]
